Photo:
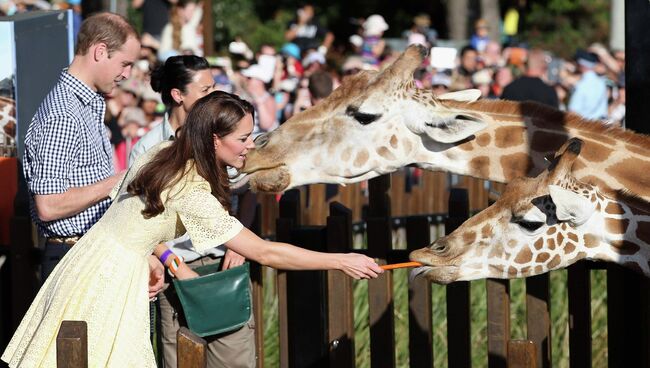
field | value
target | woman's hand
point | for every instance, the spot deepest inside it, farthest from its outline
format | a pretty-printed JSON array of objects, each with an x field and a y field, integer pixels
[
  {"x": 156, "y": 276},
  {"x": 232, "y": 259},
  {"x": 185, "y": 272},
  {"x": 359, "y": 266}
]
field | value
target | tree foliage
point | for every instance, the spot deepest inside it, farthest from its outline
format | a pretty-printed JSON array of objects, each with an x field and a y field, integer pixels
[{"x": 562, "y": 26}]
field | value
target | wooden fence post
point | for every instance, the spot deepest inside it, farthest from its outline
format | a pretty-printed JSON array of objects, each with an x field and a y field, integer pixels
[
  {"x": 289, "y": 215},
  {"x": 458, "y": 317},
  {"x": 420, "y": 330},
  {"x": 538, "y": 316},
  {"x": 380, "y": 290},
  {"x": 579, "y": 286},
  {"x": 340, "y": 302},
  {"x": 72, "y": 345},
  {"x": 522, "y": 354},
  {"x": 191, "y": 350},
  {"x": 257, "y": 281},
  {"x": 498, "y": 321}
]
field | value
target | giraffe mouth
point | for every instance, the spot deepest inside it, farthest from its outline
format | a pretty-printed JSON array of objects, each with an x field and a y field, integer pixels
[
  {"x": 435, "y": 268},
  {"x": 273, "y": 179}
]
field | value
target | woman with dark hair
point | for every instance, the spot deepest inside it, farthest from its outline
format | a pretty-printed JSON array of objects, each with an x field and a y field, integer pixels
[
  {"x": 182, "y": 80},
  {"x": 178, "y": 186}
]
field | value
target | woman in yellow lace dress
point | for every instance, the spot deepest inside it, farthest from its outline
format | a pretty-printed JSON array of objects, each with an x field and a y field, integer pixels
[{"x": 176, "y": 187}]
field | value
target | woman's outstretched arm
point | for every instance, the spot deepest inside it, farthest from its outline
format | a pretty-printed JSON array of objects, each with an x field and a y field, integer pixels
[{"x": 288, "y": 257}]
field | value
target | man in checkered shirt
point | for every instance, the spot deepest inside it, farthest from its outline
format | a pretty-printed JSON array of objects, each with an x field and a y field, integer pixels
[{"x": 68, "y": 162}]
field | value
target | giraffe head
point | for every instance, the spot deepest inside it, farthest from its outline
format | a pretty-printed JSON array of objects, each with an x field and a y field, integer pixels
[
  {"x": 374, "y": 123},
  {"x": 537, "y": 225}
]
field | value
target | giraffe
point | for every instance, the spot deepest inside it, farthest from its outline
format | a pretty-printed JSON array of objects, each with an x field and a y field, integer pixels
[
  {"x": 542, "y": 224},
  {"x": 8, "y": 125},
  {"x": 378, "y": 122}
]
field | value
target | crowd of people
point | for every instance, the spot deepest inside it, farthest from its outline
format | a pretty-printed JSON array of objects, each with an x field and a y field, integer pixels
[
  {"x": 184, "y": 120},
  {"x": 280, "y": 82}
]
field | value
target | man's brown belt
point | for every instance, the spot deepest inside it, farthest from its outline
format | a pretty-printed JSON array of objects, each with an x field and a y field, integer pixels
[{"x": 67, "y": 240}]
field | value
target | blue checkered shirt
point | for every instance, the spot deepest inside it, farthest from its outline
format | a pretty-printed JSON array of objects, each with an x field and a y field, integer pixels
[{"x": 67, "y": 146}]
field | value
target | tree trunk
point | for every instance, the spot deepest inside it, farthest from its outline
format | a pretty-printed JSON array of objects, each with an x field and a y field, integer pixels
[
  {"x": 491, "y": 13},
  {"x": 457, "y": 13},
  {"x": 617, "y": 29}
]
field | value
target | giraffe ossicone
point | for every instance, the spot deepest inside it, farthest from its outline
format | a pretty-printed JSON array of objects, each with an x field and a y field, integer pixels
[
  {"x": 542, "y": 224},
  {"x": 378, "y": 122}
]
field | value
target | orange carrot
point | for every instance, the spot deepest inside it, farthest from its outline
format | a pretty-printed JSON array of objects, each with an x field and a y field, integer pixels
[{"x": 401, "y": 265}]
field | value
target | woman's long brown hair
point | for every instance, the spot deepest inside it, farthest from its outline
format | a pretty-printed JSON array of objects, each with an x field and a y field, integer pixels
[{"x": 217, "y": 113}]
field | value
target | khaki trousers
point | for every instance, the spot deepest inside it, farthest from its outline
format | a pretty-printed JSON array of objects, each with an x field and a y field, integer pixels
[{"x": 229, "y": 350}]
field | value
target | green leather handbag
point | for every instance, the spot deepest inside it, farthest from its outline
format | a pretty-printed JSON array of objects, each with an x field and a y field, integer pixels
[{"x": 216, "y": 301}]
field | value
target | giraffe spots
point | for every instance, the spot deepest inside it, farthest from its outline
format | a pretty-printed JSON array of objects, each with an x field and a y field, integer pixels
[
  {"x": 542, "y": 257},
  {"x": 581, "y": 255},
  {"x": 345, "y": 155},
  {"x": 614, "y": 208},
  {"x": 578, "y": 165},
  {"x": 551, "y": 244},
  {"x": 480, "y": 166},
  {"x": 592, "y": 180},
  {"x": 636, "y": 149},
  {"x": 467, "y": 146},
  {"x": 643, "y": 230},
  {"x": 524, "y": 270},
  {"x": 539, "y": 244},
  {"x": 498, "y": 268},
  {"x": 595, "y": 152},
  {"x": 615, "y": 226},
  {"x": 515, "y": 165},
  {"x": 598, "y": 137},
  {"x": 569, "y": 248},
  {"x": 627, "y": 172},
  {"x": 525, "y": 256},
  {"x": 469, "y": 237},
  {"x": 625, "y": 247},
  {"x": 386, "y": 153},
  {"x": 573, "y": 237},
  {"x": 551, "y": 230},
  {"x": 408, "y": 146},
  {"x": 486, "y": 232},
  {"x": 361, "y": 158},
  {"x": 554, "y": 262},
  {"x": 505, "y": 137},
  {"x": 591, "y": 241},
  {"x": 393, "y": 141},
  {"x": 483, "y": 139},
  {"x": 559, "y": 238},
  {"x": 547, "y": 142},
  {"x": 512, "y": 271}
]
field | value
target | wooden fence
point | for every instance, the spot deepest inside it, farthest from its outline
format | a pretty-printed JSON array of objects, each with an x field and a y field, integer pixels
[{"x": 316, "y": 315}]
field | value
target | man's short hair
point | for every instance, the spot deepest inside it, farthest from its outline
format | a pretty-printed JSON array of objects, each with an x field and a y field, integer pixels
[
  {"x": 108, "y": 28},
  {"x": 320, "y": 84}
]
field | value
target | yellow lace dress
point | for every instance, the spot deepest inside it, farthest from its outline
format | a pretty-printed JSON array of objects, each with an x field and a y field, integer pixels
[{"x": 103, "y": 279}]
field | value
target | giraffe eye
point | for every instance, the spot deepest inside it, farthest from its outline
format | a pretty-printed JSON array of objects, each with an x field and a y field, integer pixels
[
  {"x": 529, "y": 225},
  {"x": 361, "y": 117}
]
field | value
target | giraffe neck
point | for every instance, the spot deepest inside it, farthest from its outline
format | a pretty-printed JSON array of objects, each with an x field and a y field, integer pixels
[
  {"x": 521, "y": 135},
  {"x": 622, "y": 235}
]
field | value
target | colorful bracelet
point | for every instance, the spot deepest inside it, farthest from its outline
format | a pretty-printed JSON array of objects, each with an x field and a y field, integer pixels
[
  {"x": 166, "y": 255},
  {"x": 174, "y": 265}
]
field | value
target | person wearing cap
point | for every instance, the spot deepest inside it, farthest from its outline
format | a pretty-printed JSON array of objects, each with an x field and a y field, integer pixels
[
  {"x": 306, "y": 32},
  {"x": 373, "y": 44},
  {"x": 440, "y": 83},
  {"x": 254, "y": 89},
  {"x": 531, "y": 86},
  {"x": 589, "y": 97}
]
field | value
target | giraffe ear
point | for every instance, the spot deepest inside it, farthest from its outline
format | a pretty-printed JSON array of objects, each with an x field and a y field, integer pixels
[
  {"x": 466, "y": 95},
  {"x": 571, "y": 206}
]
